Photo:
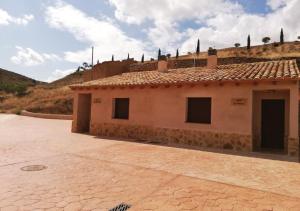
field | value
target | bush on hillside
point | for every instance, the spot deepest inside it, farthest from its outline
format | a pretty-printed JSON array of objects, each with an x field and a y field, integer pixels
[
  {"x": 16, "y": 89},
  {"x": 266, "y": 40}
]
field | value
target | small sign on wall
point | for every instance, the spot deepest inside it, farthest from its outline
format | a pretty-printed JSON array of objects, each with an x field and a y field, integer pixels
[
  {"x": 238, "y": 101},
  {"x": 97, "y": 100}
]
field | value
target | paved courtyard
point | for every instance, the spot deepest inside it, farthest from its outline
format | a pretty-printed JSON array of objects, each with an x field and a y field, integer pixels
[{"x": 88, "y": 173}]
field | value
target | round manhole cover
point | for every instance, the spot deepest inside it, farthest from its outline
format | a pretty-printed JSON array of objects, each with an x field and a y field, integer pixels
[{"x": 33, "y": 168}]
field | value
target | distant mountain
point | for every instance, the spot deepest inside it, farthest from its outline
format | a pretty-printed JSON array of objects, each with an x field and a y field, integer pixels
[{"x": 9, "y": 77}]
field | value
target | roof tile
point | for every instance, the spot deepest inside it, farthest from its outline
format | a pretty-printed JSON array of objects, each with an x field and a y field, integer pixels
[{"x": 272, "y": 70}]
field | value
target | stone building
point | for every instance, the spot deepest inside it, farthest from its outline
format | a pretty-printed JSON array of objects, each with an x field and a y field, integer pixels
[{"x": 246, "y": 107}]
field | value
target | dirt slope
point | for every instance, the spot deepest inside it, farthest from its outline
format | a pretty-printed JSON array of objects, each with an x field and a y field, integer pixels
[{"x": 55, "y": 97}]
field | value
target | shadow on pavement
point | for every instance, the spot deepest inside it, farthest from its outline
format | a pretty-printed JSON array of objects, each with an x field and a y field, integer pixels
[{"x": 259, "y": 154}]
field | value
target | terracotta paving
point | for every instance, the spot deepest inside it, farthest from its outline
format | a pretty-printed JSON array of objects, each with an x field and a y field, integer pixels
[{"x": 88, "y": 173}]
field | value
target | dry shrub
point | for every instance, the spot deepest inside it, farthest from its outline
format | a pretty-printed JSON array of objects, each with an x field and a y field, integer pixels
[{"x": 41, "y": 99}]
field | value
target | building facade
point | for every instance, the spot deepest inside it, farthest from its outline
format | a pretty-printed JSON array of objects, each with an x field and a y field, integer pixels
[{"x": 245, "y": 107}]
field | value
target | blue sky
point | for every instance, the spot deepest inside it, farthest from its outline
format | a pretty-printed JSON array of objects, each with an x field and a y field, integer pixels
[{"x": 47, "y": 39}]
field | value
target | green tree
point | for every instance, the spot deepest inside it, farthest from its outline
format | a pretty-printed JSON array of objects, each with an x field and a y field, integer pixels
[
  {"x": 85, "y": 66},
  {"x": 143, "y": 58},
  {"x": 177, "y": 53},
  {"x": 159, "y": 54},
  {"x": 237, "y": 45},
  {"x": 248, "y": 42},
  {"x": 198, "y": 47},
  {"x": 281, "y": 36},
  {"x": 266, "y": 40},
  {"x": 20, "y": 90}
]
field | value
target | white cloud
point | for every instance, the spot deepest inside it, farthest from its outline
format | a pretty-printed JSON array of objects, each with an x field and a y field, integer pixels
[
  {"x": 165, "y": 36},
  {"x": 29, "y": 57},
  {"x": 221, "y": 22},
  {"x": 275, "y": 4},
  {"x": 51, "y": 57},
  {"x": 224, "y": 30},
  {"x": 107, "y": 37},
  {"x": 58, "y": 74},
  {"x": 166, "y": 15},
  {"x": 218, "y": 23},
  {"x": 137, "y": 11},
  {"x": 6, "y": 19}
]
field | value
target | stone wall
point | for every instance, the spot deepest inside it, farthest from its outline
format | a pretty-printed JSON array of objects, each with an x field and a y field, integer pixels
[
  {"x": 147, "y": 66},
  {"x": 175, "y": 136},
  {"x": 87, "y": 75},
  {"x": 106, "y": 69},
  {"x": 186, "y": 63},
  {"x": 293, "y": 147}
]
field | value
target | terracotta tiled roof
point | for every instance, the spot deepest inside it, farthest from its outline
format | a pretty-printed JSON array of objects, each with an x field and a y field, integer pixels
[{"x": 272, "y": 70}]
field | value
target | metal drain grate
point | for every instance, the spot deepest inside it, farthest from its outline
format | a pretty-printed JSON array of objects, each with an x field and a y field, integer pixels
[
  {"x": 33, "y": 168},
  {"x": 121, "y": 207}
]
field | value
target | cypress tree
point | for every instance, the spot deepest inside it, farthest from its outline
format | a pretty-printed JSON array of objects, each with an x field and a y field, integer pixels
[
  {"x": 281, "y": 37},
  {"x": 159, "y": 54},
  {"x": 112, "y": 58},
  {"x": 143, "y": 59},
  {"x": 248, "y": 42},
  {"x": 177, "y": 54},
  {"x": 198, "y": 47},
  {"x": 128, "y": 57}
]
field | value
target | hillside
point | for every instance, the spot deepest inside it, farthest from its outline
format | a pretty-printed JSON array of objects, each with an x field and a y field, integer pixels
[
  {"x": 73, "y": 78},
  {"x": 268, "y": 51},
  {"x": 40, "y": 99},
  {"x": 14, "y": 84},
  {"x": 56, "y": 97},
  {"x": 11, "y": 77}
]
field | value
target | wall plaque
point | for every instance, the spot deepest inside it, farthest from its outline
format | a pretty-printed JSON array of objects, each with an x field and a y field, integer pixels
[
  {"x": 97, "y": 100},
  {"x": 239, "y": 101}
]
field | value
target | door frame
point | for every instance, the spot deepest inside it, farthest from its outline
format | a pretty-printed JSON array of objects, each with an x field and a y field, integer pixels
[
  {"x": 84, "y": 110},
  {"x": 257, "y": 96}
]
